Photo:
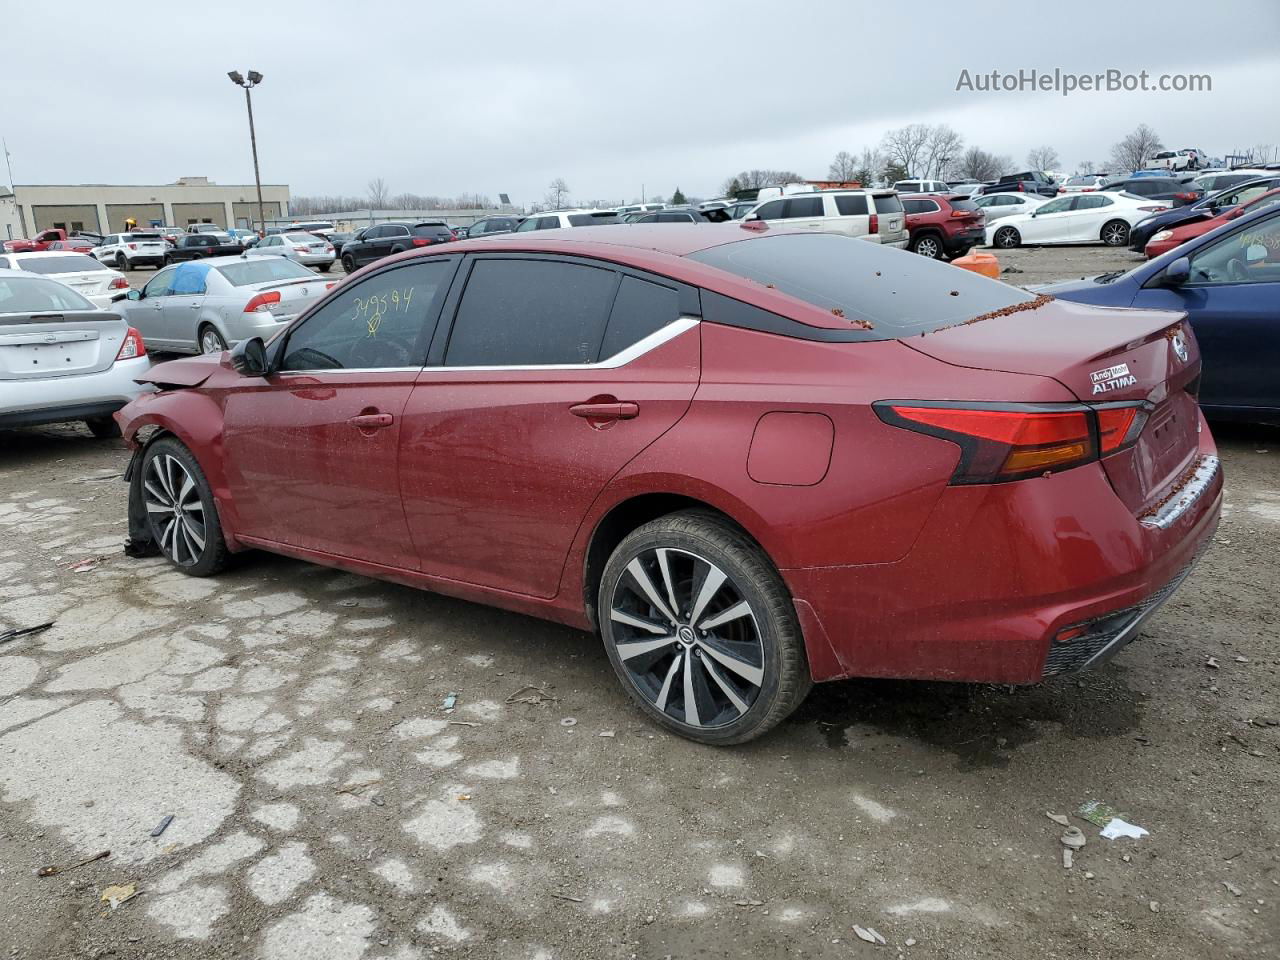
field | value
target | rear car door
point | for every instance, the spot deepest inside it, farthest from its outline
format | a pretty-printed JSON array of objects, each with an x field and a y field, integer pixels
[
  {"x": 312, "y": 448},
  {"x": 1090, "y": 212},
  {"x": 556, "y": 373},
  {"x": 806, "y": 213},
  {"x": 1231, "y": 298}
]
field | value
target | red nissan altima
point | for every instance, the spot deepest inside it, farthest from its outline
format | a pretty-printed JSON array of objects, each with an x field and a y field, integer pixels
[{"x": 750, "y": 459}]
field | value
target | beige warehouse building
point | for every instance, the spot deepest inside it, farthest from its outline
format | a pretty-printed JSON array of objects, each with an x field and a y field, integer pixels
[{"x": 103, "y": 208}]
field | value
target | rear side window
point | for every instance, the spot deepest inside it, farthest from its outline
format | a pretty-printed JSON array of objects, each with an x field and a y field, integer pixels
[
  {"x": 641, "y": 308},
  {"x": 852, "y": 204},
  {"x": 379, "y": 322},
  {"x": 803, "y": 207},
  {"x": 899, "y": 296},
  {"x": 888, "y": 203},
  {"x": 530, "y": 312}
]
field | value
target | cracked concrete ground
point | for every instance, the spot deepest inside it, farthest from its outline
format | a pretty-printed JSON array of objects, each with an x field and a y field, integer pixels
[{"x": 326, "y": 806}]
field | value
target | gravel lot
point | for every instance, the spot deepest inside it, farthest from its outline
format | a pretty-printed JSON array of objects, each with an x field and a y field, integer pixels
[{"x": 327, "y": 805}]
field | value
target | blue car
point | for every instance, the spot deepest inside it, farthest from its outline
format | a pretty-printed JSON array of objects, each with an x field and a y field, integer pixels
[{"x": 1228, "y": 284}]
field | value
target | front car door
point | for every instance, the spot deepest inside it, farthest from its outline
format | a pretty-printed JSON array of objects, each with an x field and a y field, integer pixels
[
  {"x": 147, "y": 312},
  {"x": 312, "y": 448},
  {"x": 1231, "y": 297},
  {"x": 556, "y": 373},
  {"x": 182, "y": 305},
  {"x": 1051, "y": 222}
]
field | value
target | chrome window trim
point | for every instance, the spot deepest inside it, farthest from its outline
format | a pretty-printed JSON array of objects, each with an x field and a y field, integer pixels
[{"x": 638, "y": 349}]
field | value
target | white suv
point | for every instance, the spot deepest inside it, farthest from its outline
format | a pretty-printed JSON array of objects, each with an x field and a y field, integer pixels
[
  {"x": 874, "y": 215},
  {"x": 922, "y": 186},
  {"x": 126, "y": 251},
  {"x": 568, "y": 218}
]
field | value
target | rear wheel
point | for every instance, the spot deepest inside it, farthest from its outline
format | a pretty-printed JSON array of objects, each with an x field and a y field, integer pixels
[
  {"x": 180, "y": 509},
  {"x": 104, "y": 428},
  {"x": 211, "y": 340},
  {"x": 928, "y": 245},
  {"x": 1007, "y": 237},
  {"x": 324, "y": 267},
  {"x": 701, "y": 631},
  {"x": 349, "y": 263},
  {"x": 1115, "y": 233},
  {"x": 122, "y": 262}
]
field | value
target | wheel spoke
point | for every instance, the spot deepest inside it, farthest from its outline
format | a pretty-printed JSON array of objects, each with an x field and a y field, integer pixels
[
  {"x": 153, "y": 507},
  {"x": 158, "y": 468},
  {"x": 196, "y": 538},
  {"x": 160, "y": 495},
  {"x": 711, "y": 584},
  {"x": 739, "y": 704},
  {"x": 621, "y": 616},
  {"x": 187, "y": 486},
  {"x": 664, "y": 564},
  {"x": 690, "y": 700},
  {"x": 636, "y": 648},
  {"x": 752, "y": 674},
  {"x": 645, "y": 584},
  {"x": 739, "y": 609},
  {"x": 665, "y": 693}
]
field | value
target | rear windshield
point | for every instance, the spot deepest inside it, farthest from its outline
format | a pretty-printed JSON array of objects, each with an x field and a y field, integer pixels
[
  {"x": 71, "y": 263},
  {"x": 899, "y": 294},
  {"x": 35, "y": 295},
  {"x": 263, "y": 270},
  {"x": 888, "y": 203},
  {"x": 592, "y": 219},
  {"x": 302, "y": 238},
  {"x": 1080, "y": 181},
  {"x": 962, "y": 204},
  {"x": 142, "y": 236},
  {"x": 432, "y": 230}
]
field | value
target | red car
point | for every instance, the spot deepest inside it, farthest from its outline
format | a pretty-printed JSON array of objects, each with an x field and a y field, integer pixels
[
  {"x": 751, "y": 459},
  {"x": 942, "y": 226},
  {"x": 1165, "y": 240},
  {"x": 75, "y": 243}
]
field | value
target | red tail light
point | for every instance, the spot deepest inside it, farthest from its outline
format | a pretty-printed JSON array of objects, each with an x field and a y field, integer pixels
[
  {"x": 964, "y": 213},
  {"x": 262, "y": 302},
  {"x": 300, "y": 249},
  {"x": 132, "y": 347},
  {"x": 1021, "y": 188},
  {"x": 1001, "y": 442},
  {"x": 421, "y": 241},
  {"x": 133, "y": 246},
  {"x": 119, "y": 283},
  {"x": 873, "y": 224},
  {"x": 1186, "y": 197}
]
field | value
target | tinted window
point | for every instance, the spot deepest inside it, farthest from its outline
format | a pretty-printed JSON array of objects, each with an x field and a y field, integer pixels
[
  {"x": 888, "y": 203},
  {"x": 37, "y": 295},
  {"x": 673, "y": 218},
  {"x": 263, "y": 270},
  {"x": 771, "y": 210},
  {"x": 4, "y": 263},
  {"x": 803, "y": 207},
  {"x": 919, "y": 206},
  {"x": 1092, "y": 201},
  {"x": 962, "y": 204},
  {"x": 851, "y": 204},
  {"x": 899, "y": 296},
  {"x": 592, "y": 219},
  {"x": 379, "y": 322},
  {"x": 432, "y": 230},
  {"x": 71, "y": 263},
  {"x": 639, "y": 309},
  {"x": 548, "y": 223},
  {"x": 530, "y": 224},
  {"x": 521, "y": 312}
]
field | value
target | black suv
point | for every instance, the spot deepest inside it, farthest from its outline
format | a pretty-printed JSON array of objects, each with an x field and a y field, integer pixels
[
  {"x": 493, "y": 225},
  {"x": 384, "y": 239},
  {"x": 1177, "y": 192},
  {"x": 1029, "y": 181}
]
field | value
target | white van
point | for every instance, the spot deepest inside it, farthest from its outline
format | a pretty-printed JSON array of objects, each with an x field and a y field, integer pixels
[{"x": 874, "y": 215}]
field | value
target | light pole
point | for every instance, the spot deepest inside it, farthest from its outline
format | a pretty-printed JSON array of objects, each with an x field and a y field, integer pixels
[{"x": 255, "y": 78}]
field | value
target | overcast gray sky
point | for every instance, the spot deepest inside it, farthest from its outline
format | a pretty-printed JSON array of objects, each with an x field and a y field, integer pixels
[{"x": 446, "y": 98}]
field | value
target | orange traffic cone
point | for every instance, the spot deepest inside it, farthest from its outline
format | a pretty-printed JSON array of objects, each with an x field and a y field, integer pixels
[{"x": 983, "y": 263}]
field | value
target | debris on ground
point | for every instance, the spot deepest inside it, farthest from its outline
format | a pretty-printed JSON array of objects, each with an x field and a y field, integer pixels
[
  {"x": 1059, "y": 819},
  {"x": 86, "y": 564},
  {"x": 1212, "y": 663},
  {"x": 163, "y": 825},
  {"x": 569, "y": 722},
  {"x": 53, "y": 871},
  {"x": 1155, "y": 906},
  {"x": 462, "y": 723},
  {"x": 1073, "y": 838},
  {"x": 565, "y": 896},
  {"x": 17, "y": 632},
  {"x": 1098, "y": 813},
  {"x": 911, "y": 941},
  {"x": 117, "y": 894},
  {"x": 531, "y": 694},
  {"x": 1122, "y": 828},
  {"x": 354, "y": 789},
  {"x": 748, "y": 903},
  {"x": 868, "y": 934},
  {"x": 1232, "y": 888},
  {"x": 450, "y": 702},
  {"x": 606, "y": 733}
]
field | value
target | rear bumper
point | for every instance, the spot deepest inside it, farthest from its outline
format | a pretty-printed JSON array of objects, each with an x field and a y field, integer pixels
[
  {"x": 57, "y": 399},
  {"x": 1000, "y": 572},
  {"x": 958, "y": 244}
]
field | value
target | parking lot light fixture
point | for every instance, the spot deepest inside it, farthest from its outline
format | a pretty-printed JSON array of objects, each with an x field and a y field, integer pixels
[{"x": 255, "y": 78}]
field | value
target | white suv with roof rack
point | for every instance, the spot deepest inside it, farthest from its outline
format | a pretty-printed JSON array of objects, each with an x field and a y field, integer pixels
[{"x": 874, "y": 215}]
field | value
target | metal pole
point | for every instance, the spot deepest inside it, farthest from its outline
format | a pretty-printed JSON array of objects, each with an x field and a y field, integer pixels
[{"x": 257, "y": 177}]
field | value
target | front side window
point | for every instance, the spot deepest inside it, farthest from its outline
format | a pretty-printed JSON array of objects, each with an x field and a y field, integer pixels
[
  {"x": 159, "y": 285},
  {"x": 1249, "y": 255},
  {"x": 530, "y": 312},
  {"x": 377, "y": 323},
  {"x": 549, "y": 223},
  {"x": 1056, "y": 206},
  {"x": 528, "y": 225},
  {"x": 771, "y": 210}
]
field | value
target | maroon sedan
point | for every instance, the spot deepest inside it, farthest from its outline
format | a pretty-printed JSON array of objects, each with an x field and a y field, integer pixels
[{"x": 750, "y": 459}]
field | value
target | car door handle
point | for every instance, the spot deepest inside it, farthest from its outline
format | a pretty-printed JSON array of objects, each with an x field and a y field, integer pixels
[
  {"x": 614, "y": 410},
  {"x": 372, "y": 421}
]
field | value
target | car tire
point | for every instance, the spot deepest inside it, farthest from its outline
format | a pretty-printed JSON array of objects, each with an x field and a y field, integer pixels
[
  {"x": 928, "y": 245},
  {"x": 168, "y": 260},
  {"x": 122, "y": 262},
  {"x": 191, "y": 537},
  {"x": 324, "y": 267},
  {"x": 348, "y": 263},
  {"x": 103, "y": 428},
  {"x": 725, "y": 683},
  {"x": 1115, "y": 233},
  {"x": 209, "y": 340},
  {"x": 1006, "y": 238}
]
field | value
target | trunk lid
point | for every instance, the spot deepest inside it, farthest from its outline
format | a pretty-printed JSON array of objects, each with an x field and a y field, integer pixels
[
  {"x": 1104, "y": 355},
  {"x": 295, "y": 295},
  {"x": 40, "y": 346}
]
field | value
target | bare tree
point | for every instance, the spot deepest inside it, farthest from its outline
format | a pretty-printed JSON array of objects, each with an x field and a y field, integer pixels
[
  {"x": 902, "y": 148},
  {"x": 1133, "y": 152},
  {"x": 379, "y": 193},
  {"x": 869, "y": 165},
  {"x": 1043, "y": 158},
  {"x": 977, "y": 164},
  {"x": 843, "y": 166},
  {"x": 557, "y": 193},
  {"x": 942, "y": 152}
]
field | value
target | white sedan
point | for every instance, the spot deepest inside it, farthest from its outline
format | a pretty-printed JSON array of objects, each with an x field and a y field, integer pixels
[
  {"x": 1000, "y": 206},
  {"x": 83, "y": 274},
  {"x": 1075, "y": 218}
]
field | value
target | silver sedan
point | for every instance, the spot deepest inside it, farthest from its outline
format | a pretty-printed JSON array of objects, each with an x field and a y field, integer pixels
[
  {"x": 304, "y": 248},
  {"x": 207, "y": 306}
]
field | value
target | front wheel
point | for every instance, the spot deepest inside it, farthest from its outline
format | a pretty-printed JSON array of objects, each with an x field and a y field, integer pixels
[
  {"x": 701, "y": 631},
  {"x": 1115, "y": 233},
  {"x": 928, "y": 245},
  {"x": 122, "y": 264},
  {"x": 103, "y": 428},
  {"x": 349, "y": 263},
  {"x": 324, "y": 267},
  {"x": 180, "y": 509},
  {"x": 1007, "y": 237}
]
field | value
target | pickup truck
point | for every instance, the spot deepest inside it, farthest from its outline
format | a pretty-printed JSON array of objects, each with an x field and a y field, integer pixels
[
  {"x": 41, "y": 241},
  {"x": 1029, "y": 181},
  {"x": 197, "y": 246}
]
